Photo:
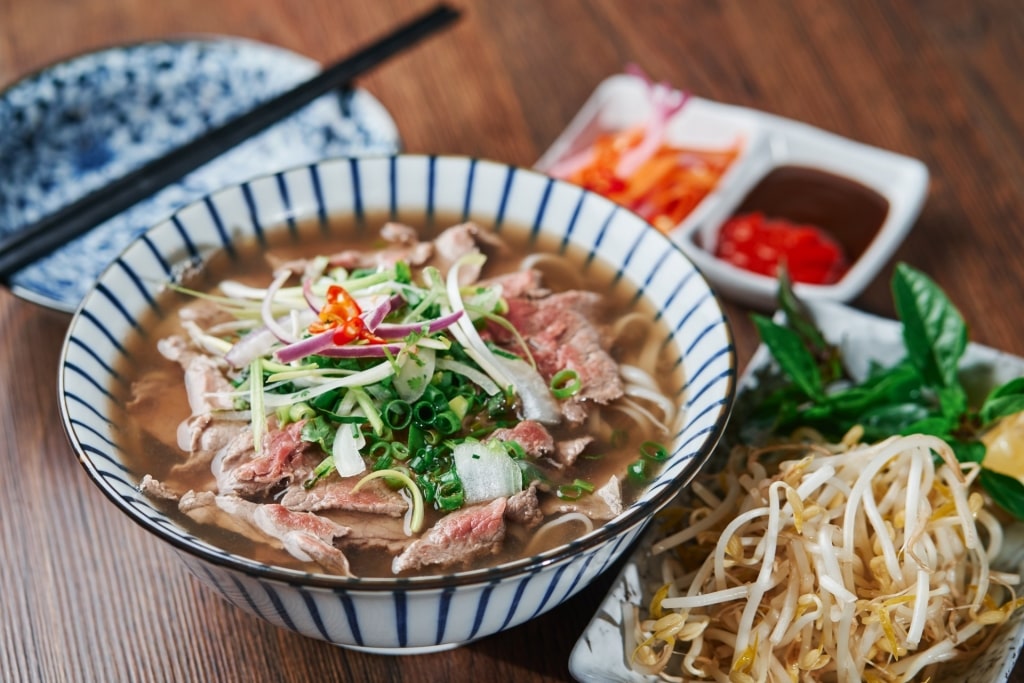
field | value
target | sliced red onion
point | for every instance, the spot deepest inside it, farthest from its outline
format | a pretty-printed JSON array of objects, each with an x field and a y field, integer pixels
[
  {"x": 267, "y": 311},
  {"x": 259, "y": 342},
  {"x": 665, "y": 102},
  {"x": 306, "y": 347},
  {"x": 315, "y": 304},
  {"x": 396, "y": 331},
  {"x": 376, "y": 315},
  {"x": 256, "y": 343}
]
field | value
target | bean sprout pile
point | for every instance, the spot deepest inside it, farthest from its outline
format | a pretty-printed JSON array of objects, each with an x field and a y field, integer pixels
[{"x": 843, "y": 562}]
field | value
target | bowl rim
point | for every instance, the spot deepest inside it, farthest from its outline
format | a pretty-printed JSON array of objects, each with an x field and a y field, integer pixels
[{"x": 630, "y": 518}]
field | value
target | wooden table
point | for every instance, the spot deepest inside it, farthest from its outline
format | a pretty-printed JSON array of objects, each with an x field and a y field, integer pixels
[{"x": 85, "y": 595}]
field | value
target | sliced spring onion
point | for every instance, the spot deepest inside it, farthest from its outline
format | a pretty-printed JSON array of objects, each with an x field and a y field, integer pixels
[
  {"x": 207, "y": 342},
  {"x": 375, "y": 374},
  {"x": 416, "y": 518},
  {"x": 565, "y": 383},
  {"x": 575, "y": 490},
  {"x": 463, "y": 329},
  {"x": 652, "y": 450},
  {"x": 267, "y": 308},
  {"x": 257, "y": 403},
  {"x": 369, "y": 409}
]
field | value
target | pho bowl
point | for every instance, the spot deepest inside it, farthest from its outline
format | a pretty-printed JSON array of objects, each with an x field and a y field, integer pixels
[{"x": 401, "y": 614}]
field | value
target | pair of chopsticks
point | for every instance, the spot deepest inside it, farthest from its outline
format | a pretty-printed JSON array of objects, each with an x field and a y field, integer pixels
[{"x": 54, "y": 231}]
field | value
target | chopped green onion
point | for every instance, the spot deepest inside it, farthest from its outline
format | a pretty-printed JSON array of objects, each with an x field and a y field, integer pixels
[
  {"x": 514, "y": 449},
  {"x": 423, "y": 413},
  {"x": 652, "y": 450},
  {"x": 450, "y": 495},
  {"x": 574, "y": 490},
  {"x": 397, "y": 414},
  {"x": 565, "y": 383},
  {"x": 300, "y": 411},
  {"x": 638, "y": 471},
  {"x": 321, "y": 471},
  {"x": 459, "y": 405},
  {"x": 447, "y": 422},
  {"x": 370, "y": 410},
  {"x": 399, "y": 450}
]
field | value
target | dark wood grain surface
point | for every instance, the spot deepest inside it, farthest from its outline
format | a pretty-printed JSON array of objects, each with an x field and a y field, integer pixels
[{"x": 85, "y": 595}]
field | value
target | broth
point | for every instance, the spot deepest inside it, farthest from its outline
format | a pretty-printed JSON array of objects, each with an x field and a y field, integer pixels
[{"x": 150, "y": 429}]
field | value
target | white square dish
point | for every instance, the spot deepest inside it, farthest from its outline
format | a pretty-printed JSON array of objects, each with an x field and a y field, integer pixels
[
  {"x": 769, "y": 142},
  {"x": 599, "y": 656}
]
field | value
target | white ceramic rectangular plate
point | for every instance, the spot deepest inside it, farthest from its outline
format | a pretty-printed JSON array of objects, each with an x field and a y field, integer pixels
[
  {"x": 769, "y": 142},
  {"x": 599, "y": 656}
]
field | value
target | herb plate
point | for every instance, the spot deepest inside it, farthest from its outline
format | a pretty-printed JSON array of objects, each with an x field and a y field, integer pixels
[{"x": 599, "y": 656}]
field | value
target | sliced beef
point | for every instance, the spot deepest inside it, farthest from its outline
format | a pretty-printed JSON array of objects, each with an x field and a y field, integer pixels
[
  {"x": 157, "y": 490},
  {"x": 458, "y": 241},
  {"x": 519, "y": 284},
  {"x": 335, "y": 493},
  {"x": 457, "y": 538},
  {"x": 399, "y": 234},
  {"x": 203, "y": 377},
  {"x": 372, "y": 532},
  {"x": 202, "y": 437},
  {"x": 241, "y": 471},
  {"x": 524, "y": 507},
  {"x": 415, "y": 254},
  {"x": 306, "y": 536},
  {"x": 564, "y": 333},
  {"x": 532, "y": 436},
  {"x": 237, "y": 451},
  {"x": 568, "y": 450}
]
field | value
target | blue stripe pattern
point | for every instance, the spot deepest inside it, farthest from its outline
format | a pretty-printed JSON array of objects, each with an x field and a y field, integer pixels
[{"x": 418, "y": 614}]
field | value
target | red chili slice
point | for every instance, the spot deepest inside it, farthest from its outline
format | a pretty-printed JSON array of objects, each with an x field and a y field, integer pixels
[{"x": 759, "y": 244}]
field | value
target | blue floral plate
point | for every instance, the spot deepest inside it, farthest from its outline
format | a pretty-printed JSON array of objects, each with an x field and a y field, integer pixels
[{"x": 79, "y": 124}]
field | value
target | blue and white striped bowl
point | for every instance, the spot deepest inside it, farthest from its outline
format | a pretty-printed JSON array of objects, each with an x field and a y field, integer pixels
[{"x": 406, "y": 615}]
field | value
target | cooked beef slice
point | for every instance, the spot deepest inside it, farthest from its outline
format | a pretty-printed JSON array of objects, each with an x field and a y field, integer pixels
[
  {"x": 335, "y": 493},
  {"x": 457, "y": 538}
]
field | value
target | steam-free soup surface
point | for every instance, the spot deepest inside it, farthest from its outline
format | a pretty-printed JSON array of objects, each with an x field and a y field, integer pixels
[{"x": 419, "y": 401}]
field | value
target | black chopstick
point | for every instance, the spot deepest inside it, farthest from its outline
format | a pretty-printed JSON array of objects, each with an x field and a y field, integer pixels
[{"x": 57, "y": 229}]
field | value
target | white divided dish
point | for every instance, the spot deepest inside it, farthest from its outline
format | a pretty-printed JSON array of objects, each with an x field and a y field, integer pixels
[{"x": 769, "y": 142}]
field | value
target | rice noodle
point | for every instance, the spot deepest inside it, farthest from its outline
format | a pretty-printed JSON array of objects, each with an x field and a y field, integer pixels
[
  {"x": 849, "y": 562},
  {"x": 536, "y": 543}
]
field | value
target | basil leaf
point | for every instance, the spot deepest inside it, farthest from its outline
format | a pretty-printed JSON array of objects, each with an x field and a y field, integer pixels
[
  {"x": 792, "y": 356},
  {"x": 884, "y": 421},
  {"x": 953, "y": 401},
  {"x": 967, "y": 451},
  {"x": 1006, "y": 491},
  {"x": 1003, "y": 400},
  {"x": 934, "y": 333},
  {"x": 800, "y": 320}
]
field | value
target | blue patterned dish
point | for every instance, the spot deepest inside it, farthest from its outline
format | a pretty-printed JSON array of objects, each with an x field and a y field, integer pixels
[
  {"x": 409, "y": 614},
  {"x": 74, "y": 126}
]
